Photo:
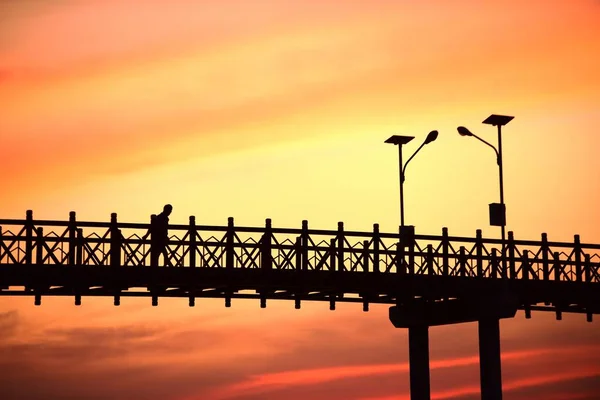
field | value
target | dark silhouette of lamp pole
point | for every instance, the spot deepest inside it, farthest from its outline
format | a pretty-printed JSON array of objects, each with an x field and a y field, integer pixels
[
  {"x": 418, "y": 336},
  {"x": 497, "y": 211},
  {"x": 490, "y": 368},
  {"x": 400, "y": 141}
]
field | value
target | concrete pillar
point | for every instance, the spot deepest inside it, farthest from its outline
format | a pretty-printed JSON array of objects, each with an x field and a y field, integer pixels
[
  {"x": 489, "y": 359},
  {"x": 418, "y": 354}
]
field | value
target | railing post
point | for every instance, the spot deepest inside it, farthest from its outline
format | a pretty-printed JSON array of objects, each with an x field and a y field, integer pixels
[
  {"x": 154, "y": 247},
  {"x": 366, "y": 256},
  {"x": 577, "y": 252},
  {"x": 1, "y": 239},
  {"x": 400, "y": 265},
  {"x": 376, "y": 239},
  {"x": 229, "y": 249},
  {"x": 525, "y": 265},
  {"x": 430, "y": 270},
  {"x": 462, "y": 260},
  {"x": 588, "y": 278},
  {"x": 511, "y": 255},
  {"x": 332, "y": 254},
  {"x": 340, "y": 247},
  {"x": 304, "y": 237},
  {"x": 545, "y": 251},
  {"x": 39, "y": 246},
  {"x": 193, "y": 245},
  {"x": 494, "y": 262},
  {"x": 80, "y": 242},
  {"x": 557, "y": 266},
  {"x": 115, "y": 241},
  {"x": 298, "y": 248},
  {"x": 445, "y": 251},
  {"x": 479, "y": 253},
  {"x": 303, "y": 259},
  {"x": 72, "y": 238},
  {"x": 266, "y": 258},
  {"x": 29, "y": 237},
  {"x": 411, "y": 256},
  {"x": 588, "y": 269}
]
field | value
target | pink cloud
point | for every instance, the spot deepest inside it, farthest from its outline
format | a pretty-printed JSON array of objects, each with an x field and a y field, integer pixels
[
  {"x": 274, "y": 381},
  {"x": 512, "y": 386}
]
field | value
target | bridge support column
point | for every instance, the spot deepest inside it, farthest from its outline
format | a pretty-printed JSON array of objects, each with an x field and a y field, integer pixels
[
  {"x": 418, "y": 355},
  {"x": 490, "y": 368},
  {"x": 418, "y": 316}
]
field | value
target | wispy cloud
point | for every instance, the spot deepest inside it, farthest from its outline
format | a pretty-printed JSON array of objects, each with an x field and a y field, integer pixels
[{"x": 318, "y": 376}]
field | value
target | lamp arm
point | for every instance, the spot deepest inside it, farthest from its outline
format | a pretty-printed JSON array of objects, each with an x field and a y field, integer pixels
[
  {"x": 495, "y": 150},
  {"x": 411, "y": 157}
]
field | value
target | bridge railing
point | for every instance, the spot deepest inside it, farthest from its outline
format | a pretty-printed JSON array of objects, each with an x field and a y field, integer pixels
[{"x": 78, "y": 243}]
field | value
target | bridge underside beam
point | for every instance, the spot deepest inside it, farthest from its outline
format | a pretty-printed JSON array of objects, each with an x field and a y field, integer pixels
[
  {"x": 455, "y": 311},
  {"x": 338, "y": 286}
]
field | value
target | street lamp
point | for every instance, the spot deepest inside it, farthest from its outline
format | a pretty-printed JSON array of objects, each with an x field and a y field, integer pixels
[
  {"x": 490, "y": 369},
  {"x": 400, "y": 141},
  {"x": 497, "y": 211},
  {"x": 418, "y": 336}
]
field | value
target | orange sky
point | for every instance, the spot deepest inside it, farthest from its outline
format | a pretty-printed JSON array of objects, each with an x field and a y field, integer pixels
[{"x": 264, "y": 109}]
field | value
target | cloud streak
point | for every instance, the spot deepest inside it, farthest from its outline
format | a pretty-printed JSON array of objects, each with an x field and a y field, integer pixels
[{"x": 276, "y": 381}]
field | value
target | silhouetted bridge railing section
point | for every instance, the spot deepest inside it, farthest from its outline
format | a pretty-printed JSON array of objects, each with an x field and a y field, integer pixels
[{"x": 48, "y": 257}]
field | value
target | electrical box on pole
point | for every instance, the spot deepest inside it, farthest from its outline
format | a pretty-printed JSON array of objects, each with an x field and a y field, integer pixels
[
  {"x": 497, "y": 214},
  {"x": 407, "y": 235}
]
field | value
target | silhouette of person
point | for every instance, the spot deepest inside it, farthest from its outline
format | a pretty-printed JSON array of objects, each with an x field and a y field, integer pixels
[{"x": 159, "y": 236}]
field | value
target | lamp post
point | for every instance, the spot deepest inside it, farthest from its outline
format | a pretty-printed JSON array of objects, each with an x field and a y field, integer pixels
[
  {"x": 400, "y": 141},
  {"x": 490, "y": 368},
  {"x": 418, "y": 335},
  {"x": 497, "y": 211}
]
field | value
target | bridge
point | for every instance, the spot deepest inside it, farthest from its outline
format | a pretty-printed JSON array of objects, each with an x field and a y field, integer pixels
[{"x": 428, "y": 280}]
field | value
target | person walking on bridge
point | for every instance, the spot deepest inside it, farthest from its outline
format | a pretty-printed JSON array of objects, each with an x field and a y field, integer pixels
[{"x": 159, "y": 236}]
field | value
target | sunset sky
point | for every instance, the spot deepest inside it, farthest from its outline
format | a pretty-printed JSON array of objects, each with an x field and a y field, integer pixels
[{"x": 279, "y": 109}]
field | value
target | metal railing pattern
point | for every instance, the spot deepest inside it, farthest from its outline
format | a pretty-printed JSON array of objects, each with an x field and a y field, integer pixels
[{"x": 77, "y": 243}]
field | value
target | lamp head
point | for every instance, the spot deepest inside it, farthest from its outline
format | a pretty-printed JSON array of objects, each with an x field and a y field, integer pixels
[
  {"x": 399, "y": 140},
  {"x": 498, "y": 120},
  {"x": 464, "y": 131},
  {"x": 431, "y": 137}
]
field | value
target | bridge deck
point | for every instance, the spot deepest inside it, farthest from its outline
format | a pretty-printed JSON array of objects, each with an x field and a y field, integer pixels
[{"x": 115, "y": 259}]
